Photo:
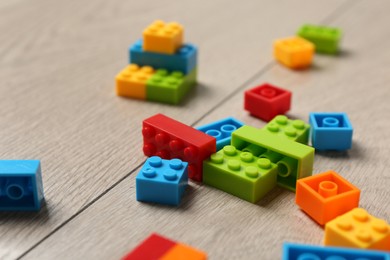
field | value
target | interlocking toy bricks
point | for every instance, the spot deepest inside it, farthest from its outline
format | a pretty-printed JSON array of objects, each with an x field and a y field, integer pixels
[
  {"x": 325, "y": 196},
  {"x": 21, "y": 186},
  {"x": 331, "y": 131},
  {"x": 162, "y": 248},
  {"x": 267, "y": 101},
  {"x": 221, "y": 130},
  {"x": 240, "y": 173},
  {"x": 294, "y": 52},
  {"x": 326, "y": 39},
  {"x": 308, "y": 252},
  {"x": 184, "y": 60},
  {"x": 162, "y": 181},
  {"x": 359, "y": 229},
  {"x": 163, "y": 37},
  {"x": 168, "y": 139},
  {"x": 168, "y": 87},
  {"x": 131, "y": 81},
  {"x": 295, "y": 130},
  {"x": 294, "y": 160}
]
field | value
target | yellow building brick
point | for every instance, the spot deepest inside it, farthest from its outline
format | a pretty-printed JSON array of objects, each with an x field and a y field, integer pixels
[
  {"x": 163, "y": 37},
  {"x": 359, "y": 229},
  {"x": 131, "y": 81},
  {"x": 294, "y": 52}
]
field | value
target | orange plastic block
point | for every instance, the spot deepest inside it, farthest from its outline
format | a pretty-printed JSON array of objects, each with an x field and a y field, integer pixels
[
  {"x": 131, "y": 82},
  {"x": 163, "y": 37},
  {"x": 325, "y": 196},
  {"x": 184, "y": 252},
  {"x": 359, "y": 229},
  {"x": 294, "y": 52}
]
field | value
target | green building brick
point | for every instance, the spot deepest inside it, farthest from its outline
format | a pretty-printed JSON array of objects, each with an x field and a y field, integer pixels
[
  {"x": 168, "y": 87},
  {"x": 326, "y": 39},
  {"x": 240, "y": 173},
  {"x": 294, "y": 160},
  {"x": 295, "y": 130}
]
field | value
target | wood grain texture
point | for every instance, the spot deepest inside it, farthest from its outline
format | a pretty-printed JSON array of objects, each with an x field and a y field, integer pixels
[{"x": 57, "y": 103}]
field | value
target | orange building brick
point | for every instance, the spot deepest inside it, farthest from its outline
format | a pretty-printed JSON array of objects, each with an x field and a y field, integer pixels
[
  {"x": 325, "y": 196},
  {"x": 183, "y": 252},
  {"x": 359, "y": 229},
  {"x": 294, "y": 52},
  {"x": 163, "y": 37},
  {"x": 131, "y": 81}
]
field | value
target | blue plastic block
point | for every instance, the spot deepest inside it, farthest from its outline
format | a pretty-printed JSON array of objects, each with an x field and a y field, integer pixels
[
  {"x": 221, "y": 130},
  {"x": 184, "y": 60},
  {"x": 162, "y": 181},
  {"x": 20, "y": 185},
  {"x": 308, "y": 252},
  {"x": 331, "y": 131}
]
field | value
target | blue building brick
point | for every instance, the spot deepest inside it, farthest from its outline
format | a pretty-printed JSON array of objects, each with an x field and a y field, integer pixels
[
  {"x": 162, "y": 181},
  {"x": 184, "y": 60},
  {"x": 20, "y": 185},
  {"x": 308, "y": 252},
  {"x": 221, "y": 130},
  {"x": 331, "y": 131}
]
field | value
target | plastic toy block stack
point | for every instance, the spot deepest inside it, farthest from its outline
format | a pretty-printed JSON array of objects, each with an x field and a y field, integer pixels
[
  {"x": 170, "y": 139},
  {"x": 162, "y": 181},
  {"x": 267, "y": 101},
  {"x": 21, "y": 186},
  {"x": 162, "y": 68},
  {"x": 159, "y": 247}
]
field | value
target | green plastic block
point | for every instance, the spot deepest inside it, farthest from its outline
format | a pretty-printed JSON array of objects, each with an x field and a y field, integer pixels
[
  {"x": 294, "y": 160},
  {"x": 326, "y": 39},
  {"x": 295, "y": 130},
  {"x": 168, "y": 87},
  {"x": 240, "y": 173}
]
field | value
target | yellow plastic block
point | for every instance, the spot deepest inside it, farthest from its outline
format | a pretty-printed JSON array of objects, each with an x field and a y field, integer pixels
[
  {"x": 183, "y": 252},
  {"x": 163, "y": 37},
  {"x": 131, "y": 82},
  {"x": 359, "y": 229},
  {"x": 294, "y": 52}
]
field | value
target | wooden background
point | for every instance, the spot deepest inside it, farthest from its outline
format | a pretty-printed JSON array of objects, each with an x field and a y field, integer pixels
[{"x": 58, "y": 60}]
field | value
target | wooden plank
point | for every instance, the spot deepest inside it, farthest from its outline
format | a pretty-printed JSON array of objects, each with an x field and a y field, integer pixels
[{"x": 227, "y": 227}]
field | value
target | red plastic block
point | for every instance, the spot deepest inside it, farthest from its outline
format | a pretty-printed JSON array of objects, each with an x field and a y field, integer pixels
[
  {"x": 267, "y": 101},
  {"x": 154, "y": 247},
  {"x": 169, "y": 139}
]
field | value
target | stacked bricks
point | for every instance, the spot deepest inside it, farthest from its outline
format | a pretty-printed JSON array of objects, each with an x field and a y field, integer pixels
[{"x": 162, "y": 67}]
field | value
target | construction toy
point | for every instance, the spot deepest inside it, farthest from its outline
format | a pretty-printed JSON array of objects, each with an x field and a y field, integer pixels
[
  {"x": 161, "y": 248},
  {"x": 267, "y": 101},
  {"x": 295, "y": 130},
  {"x": 163, "y": 37},
  {"x": 326, "y": 196},
  {"x": 326, "y": 39},
  {"x": 168, "y": 139},
  {"x": 294, "y": 52},
  {"x": 331, "y": 131},
  {"x": 21, "y": 186},
  {"x": 221, "y": 130},
  {"x": 131, "y": 82},
  {"x": 162, "y": 181},
  {"x": 309, "y": 252},
  {"x": 168, "y": 87},
  {"x": 184, "y": 60},
  {"x": 359, "y": 229},
  {"x": 240, "y": 173},
  {"x": 294, "y": 160}
]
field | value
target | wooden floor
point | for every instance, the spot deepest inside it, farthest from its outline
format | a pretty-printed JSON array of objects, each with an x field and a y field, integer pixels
[{"x": 58, "y": 60}]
